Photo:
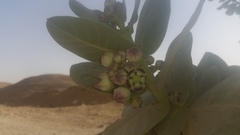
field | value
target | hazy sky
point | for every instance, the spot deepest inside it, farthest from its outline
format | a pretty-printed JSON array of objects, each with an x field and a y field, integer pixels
[{"x": 27, "y": 49}]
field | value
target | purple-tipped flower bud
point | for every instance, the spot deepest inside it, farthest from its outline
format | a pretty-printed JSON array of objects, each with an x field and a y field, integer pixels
[
  {"x": 109, "y": 7},
  {"x": 109, "y": 10},
  {"x": 107, "y": 59},
  {"x": 122, "y": 95},
  {"x": 120, "y": 77},
  {"x": 120, "y": 10},
  {"x": 104, "y": 84},
  {"x": 130, "y": 66},
  {"x": 134, "y": 54}
]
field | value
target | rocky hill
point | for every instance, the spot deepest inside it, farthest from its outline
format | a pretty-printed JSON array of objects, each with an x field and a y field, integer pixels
[
  {"x": 54, "y": 105},
  {"x": 4, "y": 84},
  {"x": 50, "y": 90}
]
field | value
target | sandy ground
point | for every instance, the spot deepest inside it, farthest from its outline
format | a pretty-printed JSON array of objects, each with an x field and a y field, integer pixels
[{"x": 78, "y": 120}]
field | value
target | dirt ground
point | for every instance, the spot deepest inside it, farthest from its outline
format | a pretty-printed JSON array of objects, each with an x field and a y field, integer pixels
[{"x": 76, "y": 120}]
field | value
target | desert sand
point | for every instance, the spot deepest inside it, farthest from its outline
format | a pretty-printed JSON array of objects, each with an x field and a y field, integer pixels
[
  {"x": 75, "y": 120},
  {"x": 54, "y": 105}
]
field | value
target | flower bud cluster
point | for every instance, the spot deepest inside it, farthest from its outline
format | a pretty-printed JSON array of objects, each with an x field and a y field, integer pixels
[
  {"x": 114, "y": 12},
  {"x": 124, "y": 78}
]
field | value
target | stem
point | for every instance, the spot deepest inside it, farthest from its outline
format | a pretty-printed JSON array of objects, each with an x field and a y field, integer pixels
[
  {"x": 134, "y": 17},
  {"x": 160, "y": 95}
]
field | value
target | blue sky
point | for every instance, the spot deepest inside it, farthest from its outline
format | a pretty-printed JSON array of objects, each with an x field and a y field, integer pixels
[{"x": 27, "y": 49}]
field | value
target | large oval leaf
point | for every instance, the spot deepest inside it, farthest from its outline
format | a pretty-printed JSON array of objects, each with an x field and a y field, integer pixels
[
  {"x": 217, "y": 111},
  {"x": 84, "y": 74},
  {"x": 174, "y": 122},
  {"x": 210, "y": 71},
  {"x": 152, "y": 24},
  {"x": 138, "y": 122},
  {"x": 176, "y": 72},
  {"x": 83, "y": 12},
  {"x": 233, "y": 70},
  {"x": 180, "y": 61},
  {"x": 177, "y": 44},
  {"x": 86, "y": 38}
]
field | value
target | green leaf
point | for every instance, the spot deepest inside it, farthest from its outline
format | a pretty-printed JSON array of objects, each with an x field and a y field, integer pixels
[
  {"x": 179, "y": 42},
  {"x": 217, "y": 111},
  {"x": 174, "y": 122},
  {"x": 84, "y": 74},
  {"x": 180, "y": 61},
  {"x": 152, "y": 24},
  {"x": 210, "y": 71},
  {"x": 175, "y": 76},
  {"x": 151, "y": 132},
  {"x": 138, "y": 122},
  {"x": 233, "y": 70},
  {"x": 83, "y": 12},
  {"x": 85, "y": 38}
]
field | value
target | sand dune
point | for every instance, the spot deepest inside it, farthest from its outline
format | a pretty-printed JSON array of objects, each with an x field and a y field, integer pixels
[
  {"x": 50, "y": 90},
  {"x": 76, "y": 120},
  {"x": 4, "y": 84},
  {"x": 54, "y": 105}
]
